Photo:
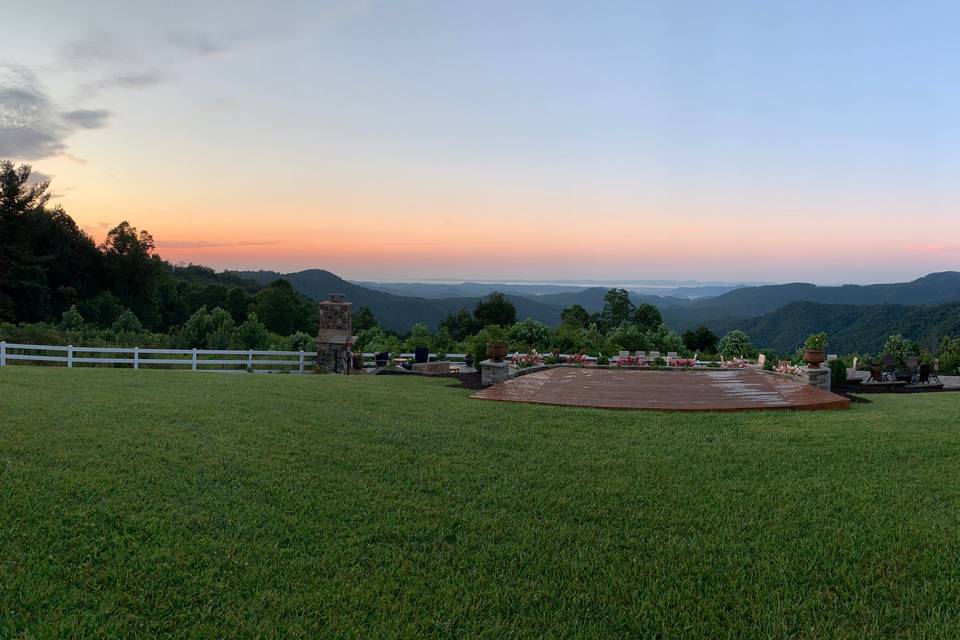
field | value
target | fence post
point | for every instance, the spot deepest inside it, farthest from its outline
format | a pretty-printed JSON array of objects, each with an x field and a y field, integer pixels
[
  {"x": 250, "y": 360},
  {"x": 193, "y": 362},
  {"x": 3, "y": 353},
  {"x": 69, "y": 356},
  {"x": 301, "y": 360},
  {"x": 136, "y": 357}
]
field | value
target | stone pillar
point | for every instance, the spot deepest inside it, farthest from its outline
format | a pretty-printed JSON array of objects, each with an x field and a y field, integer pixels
[
  {"x": 816, "y": 377},
  {"x": 335, "y": 338},
  {"x": 493, "y": 372}
]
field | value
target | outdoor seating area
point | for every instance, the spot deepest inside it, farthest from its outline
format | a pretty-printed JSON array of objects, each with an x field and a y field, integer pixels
[{"x": 888, "y": 375}]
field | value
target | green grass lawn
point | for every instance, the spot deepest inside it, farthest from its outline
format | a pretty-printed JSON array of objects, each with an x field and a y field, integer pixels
[{"x": 178, "y": 504}]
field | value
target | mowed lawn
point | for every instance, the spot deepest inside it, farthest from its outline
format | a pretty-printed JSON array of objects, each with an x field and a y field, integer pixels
[{"x": 178, "y": 504}]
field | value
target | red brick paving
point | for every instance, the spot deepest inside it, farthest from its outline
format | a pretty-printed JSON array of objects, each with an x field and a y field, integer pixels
[{"x": 687, "y": 390}]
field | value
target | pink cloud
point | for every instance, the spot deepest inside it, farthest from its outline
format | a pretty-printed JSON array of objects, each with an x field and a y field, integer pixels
[{"x": 935, "y": 248}]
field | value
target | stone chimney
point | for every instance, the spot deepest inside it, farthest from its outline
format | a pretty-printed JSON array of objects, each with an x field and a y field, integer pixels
[{"x": 335, "y": 338}]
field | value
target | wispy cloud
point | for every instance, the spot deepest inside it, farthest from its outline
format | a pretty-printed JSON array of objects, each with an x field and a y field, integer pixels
[
  {"x": 31, "y": 124},
  {"x": 87, "y": 118},
  {"x": 935, "y": 248},
  {"x": 205, "y": 244},
  {"x": 134, "y": 80},
  {"x": 97, "y": 48}
]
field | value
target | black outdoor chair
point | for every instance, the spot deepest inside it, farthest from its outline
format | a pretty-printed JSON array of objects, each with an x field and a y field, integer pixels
[
  {"x": 909, "y": 373},
  {"x": 876, "y": 374},
  {"x": 889, "y": 367},
  {"x": 923, "y": 377},
  {"x": 382, "y": 358}
]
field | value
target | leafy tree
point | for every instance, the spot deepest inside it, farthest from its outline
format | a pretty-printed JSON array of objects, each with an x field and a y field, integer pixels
[
  {"x": 377, "y": 340},
  {"x": 282, "y": 309},
  {"x": 575, "y": 315},
  {"x": 238, "y": 303},
  {"x": 193, "y": 334},
  {"x": 630, "y": 337},
  {"x": 617, "y": 308},
  {"x": 46, "y": 262},
  {"x": 221, "y": 330},
  {"x": 530, "y": 334},
  {"x": 568, "y": 337},
  {"x": 71, "y": 320},
  {"x": 647, "y": 316},
  {"x": 103, "y": 309},
  {"x": 459, "y": 325},
  {"x": 736, "y": 344},
  {"x": 496, "y": 309},
  {"x": 126, "y": 322},
  {"x": 252, "y": 334},
  {"x": 664, "y": 340},
  {"x": 901, "y": 349},
  {"x": 700, "y": 340},
  {"x": 133, "y": 270},
  {"x": 419, "y": 337},
  {"x": 364, "y": 319}
]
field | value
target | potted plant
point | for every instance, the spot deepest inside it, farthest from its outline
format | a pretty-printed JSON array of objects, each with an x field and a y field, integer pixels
[
  {"x": 815, "y": 350},
  {"x": 496, "y": 343}
]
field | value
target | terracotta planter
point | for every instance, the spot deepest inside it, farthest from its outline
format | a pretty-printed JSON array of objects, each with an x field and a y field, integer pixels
[
  {"x": 496, "y": 351},
  {"x": 814, "y": 358}
]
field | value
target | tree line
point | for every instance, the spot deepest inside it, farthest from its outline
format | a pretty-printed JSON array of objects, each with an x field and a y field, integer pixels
[{"x": 52, "y": 273}]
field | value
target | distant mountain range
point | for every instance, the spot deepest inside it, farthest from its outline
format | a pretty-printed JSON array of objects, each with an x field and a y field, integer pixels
[
  {"x": 665, "y": 288},
  {"x": 858, "y": 317},
  {"x": 851, "y": 328}
]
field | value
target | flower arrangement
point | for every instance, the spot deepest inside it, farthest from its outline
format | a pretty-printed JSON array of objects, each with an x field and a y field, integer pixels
[
  {"x": 816, "y": 342},
  {"x": 683, "y": 362},
  {"x": 735, "y": 363},
  {"x": 629, "y": 361},
  {"x": 527, "y": 360},
  {"x": 578, "y": 360}
]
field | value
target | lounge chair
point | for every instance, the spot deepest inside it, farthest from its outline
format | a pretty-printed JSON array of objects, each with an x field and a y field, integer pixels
[
  {"x": 923, "y": 376},
  {"x": 672, "y": 354},
  {"x": 654, "y": 354}
]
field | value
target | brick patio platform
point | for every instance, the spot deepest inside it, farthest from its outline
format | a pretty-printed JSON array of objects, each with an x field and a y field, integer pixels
[{"x": 699, "y": 390}]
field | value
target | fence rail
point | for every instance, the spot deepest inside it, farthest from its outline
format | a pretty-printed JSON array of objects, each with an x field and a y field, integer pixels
[{"x": 196, "y": 359}]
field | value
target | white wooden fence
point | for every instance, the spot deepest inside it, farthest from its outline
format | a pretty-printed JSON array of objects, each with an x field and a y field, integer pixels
[{"x": 136, "y": 357}]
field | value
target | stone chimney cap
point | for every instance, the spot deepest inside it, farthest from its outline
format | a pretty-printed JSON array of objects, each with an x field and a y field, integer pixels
[{"x": 337, "y": 297}]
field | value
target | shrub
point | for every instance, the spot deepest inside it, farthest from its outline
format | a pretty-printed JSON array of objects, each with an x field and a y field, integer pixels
[
  {"x": 602, "y": 359},
  {"x": 901, "y": 349},
  {"x": 838, "y": 373},
  {"x": 736, "y": 344},
  {"x": 252, "y": 334},
  {"x": 301, "y": 341},
  {"x": 71, "y": 320},
  {"x": 530, "y": 334},
  {"x": 478, "y": 343},
  {"x": 126, "y": 322}
]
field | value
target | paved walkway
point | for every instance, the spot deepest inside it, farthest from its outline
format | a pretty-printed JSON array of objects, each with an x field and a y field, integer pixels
[{"x": 700, "y": 390}]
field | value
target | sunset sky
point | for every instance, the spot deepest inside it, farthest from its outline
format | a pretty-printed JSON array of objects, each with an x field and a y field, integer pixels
[{"x": 773, "y": 141}]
